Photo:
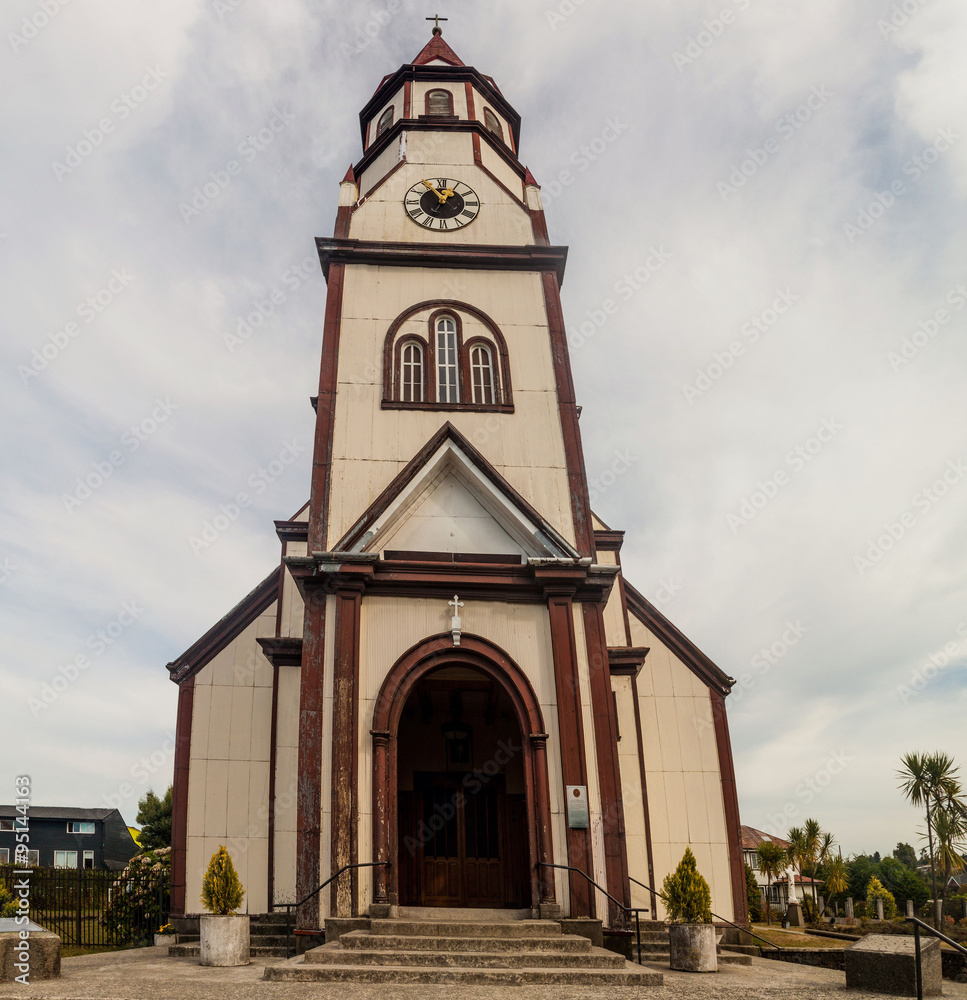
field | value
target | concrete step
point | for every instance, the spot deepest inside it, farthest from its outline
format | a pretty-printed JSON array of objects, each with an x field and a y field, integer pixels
[
  {"x": 334, "y": 955},
  {"x": 194, "y": 951},
  {"x": 467, "y": 928},
  {"x": 630, "y": 975},
  {"x": 563, "y": 943},
  {"x": 732, "y": 959}
]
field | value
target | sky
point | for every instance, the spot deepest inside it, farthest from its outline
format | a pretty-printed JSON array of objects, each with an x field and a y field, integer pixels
[{"x": 765, "y": 297}]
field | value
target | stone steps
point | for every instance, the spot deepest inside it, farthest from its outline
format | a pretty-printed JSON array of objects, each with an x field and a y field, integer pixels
[
  {"x": 594, "y": 959},
  {"x": 255, "y": 950},
  {"x": 468, "y": 951}
]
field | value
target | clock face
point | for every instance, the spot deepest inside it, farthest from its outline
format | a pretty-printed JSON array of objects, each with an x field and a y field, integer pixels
[{"x": 441, "y": 204}]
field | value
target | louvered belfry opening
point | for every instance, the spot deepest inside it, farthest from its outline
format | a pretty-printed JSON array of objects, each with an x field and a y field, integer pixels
[
  {"x": 493, "y": 124},
  {"x": 439, "y": 103}
]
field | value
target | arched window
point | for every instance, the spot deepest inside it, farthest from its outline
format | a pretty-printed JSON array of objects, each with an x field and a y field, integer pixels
[
  {"x": 385, "y": 121},
  {"x": 482, "y": 374},
  {"x": 493, "y": 124},
  {"x": 411, "y": 372},
  {"x": 447, "y": 361},
  {"x": 439, "y": 102}
]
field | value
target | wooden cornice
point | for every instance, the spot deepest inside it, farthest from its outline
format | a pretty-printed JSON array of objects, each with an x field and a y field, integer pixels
[{"x": 627, "y": 660}]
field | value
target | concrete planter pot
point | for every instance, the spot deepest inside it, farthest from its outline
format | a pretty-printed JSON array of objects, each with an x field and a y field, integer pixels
[
  {"x": 224, "y": 939},
  {"x": 165, "y": 939},
  {"x": 693, "y": 948}
]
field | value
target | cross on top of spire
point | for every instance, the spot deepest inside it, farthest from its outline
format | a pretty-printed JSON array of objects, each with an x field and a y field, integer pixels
[{"x": 437, "y": 30}]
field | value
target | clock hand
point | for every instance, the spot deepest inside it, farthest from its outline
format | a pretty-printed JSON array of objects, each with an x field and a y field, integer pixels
[{"x": 442, "y": 197}]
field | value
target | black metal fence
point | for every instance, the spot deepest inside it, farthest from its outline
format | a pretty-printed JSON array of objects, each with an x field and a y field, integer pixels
[{"x": 90, "y": 909}]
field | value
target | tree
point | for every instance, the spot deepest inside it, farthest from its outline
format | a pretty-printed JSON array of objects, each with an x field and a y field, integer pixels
[
  {"x": 771, "y": 861},
  {"x": 950, "y": 829},
  {"x": 875, "y": 891},
  {"x": 836, "y": 875},
  {"x": 813, "y": 843},
  {"x": 906, "y": 855},
  {"x": 861, "y": 869},
  {"x": 154, "y": 816},
  {"x": 221, "y": 888},
  {"x": 928, "y": 780},
  {"x": 687, "y": 895},
  {"x": 903, "y": 882},
  {"x": 753, "y": 895},
  {"x": 799, "y": 853}
]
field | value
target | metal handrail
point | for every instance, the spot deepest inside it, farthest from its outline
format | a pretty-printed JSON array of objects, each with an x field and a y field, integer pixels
[
  {"x": 628, "y": 909},
  {"x": 724, "y": 920},
  {"x": 290, "y": 946},
  {"x": 917, "y": 924}
]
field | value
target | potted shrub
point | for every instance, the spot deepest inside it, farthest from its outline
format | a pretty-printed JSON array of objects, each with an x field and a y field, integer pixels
[
  {"x": 165, "y": 935},
  {"x": 691, "y": 934},
  {"x": 224, "y": 933}
]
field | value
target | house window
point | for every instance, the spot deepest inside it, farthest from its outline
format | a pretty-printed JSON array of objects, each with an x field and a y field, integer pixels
[
  {"x": 385, "y": 121},
  {"x": 33, "y": 859},
  {"x": 493, "y": 124},
  {"x": 447, "y": 365},
  {"x": 65, "y": 859},
  {"x": 76, "y": 826},
  {"x": 88, "y": 859},
  {"x": 411, "y": 372},
  {"x": 4, "y": 855},
  {"x": 439, "y": 102},
  {"x": 482, "y": 374},
  {"x": 6, "y": 824}
]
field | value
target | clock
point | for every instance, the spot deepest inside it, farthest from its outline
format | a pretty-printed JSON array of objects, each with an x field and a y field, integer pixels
[{"x": 441, "y": 204}]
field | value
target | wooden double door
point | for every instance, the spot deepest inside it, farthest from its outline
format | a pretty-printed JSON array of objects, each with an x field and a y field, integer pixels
[{"x": 462, "y": 844}]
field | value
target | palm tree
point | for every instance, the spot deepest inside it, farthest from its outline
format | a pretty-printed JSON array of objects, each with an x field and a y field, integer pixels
[
  {"x": 950, "y": 829},
  {"x": 771, "y": 861},
  {"x": 837, "y": 876},
  {"x": 812, "y": 841},
  {"x": 824, "y": 856},
  {"x": 927, "y": 780},
  {"x": 798, "y": 853}
]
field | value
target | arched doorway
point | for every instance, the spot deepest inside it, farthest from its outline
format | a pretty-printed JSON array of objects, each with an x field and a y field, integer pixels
[{"x": 461, "y": 805}]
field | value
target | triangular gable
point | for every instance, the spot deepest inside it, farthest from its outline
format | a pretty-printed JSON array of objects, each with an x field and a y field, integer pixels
[
  {"x": 686, "y": 650},
  {"x": 450, "y": 489},
  {"x": 437, "y": 49},
  {"x": 226, "y": 630}
]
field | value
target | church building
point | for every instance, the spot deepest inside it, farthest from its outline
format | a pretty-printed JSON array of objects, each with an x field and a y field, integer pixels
[{"x": 447, "y": 681}]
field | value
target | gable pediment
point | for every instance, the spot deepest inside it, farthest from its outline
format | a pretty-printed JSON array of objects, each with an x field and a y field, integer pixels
[{"x": 449, "y": 499}]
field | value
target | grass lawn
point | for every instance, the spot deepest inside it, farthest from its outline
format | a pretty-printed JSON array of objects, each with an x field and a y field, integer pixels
[
  {"x": 785, "y": 939},
  {"x": 70, "y": 951}
]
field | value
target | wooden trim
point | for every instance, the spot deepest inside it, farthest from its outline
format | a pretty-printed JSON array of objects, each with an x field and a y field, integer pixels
[
  {"x": 326, "y": 411},
  {"x": 395, "y": 404},
  {"x": 227, "y": 629},
  {"x": 309, "y": 789},
  {"x": 624, "y": 603},
  {"x": 179, "y": 798},
  {"x": 344, "y": 823},
  {"x": 609, "y": 775},
  {"x": 723, "y": 743},
  {"x": 491, "y": 660},
  {"x": 273, "y": 763},
  {"x": 571, "y": 730},
  {"x": 608, "y": 541},
  {"x": 567, "y": 408},
  {"x": 407, "y": 98},
  {"x": 282, "y": 651},
  {"x": 335, "y": 252},
  {"x": 450, "y": 307},
  {"x": 292, "y": 531},
  {"x": 679, "y": 644},
  {"x": 471, "y": 112},
  {"x": 446, "y": 432},
  {"x": 397, "y": 371},
  {"x": 644, "y": 796},
  {"x": 626, "y": 661},
  {"x": 496, "y": 382}
]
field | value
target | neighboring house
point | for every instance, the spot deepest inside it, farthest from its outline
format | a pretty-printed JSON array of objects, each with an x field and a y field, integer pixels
[
  {"x": 958, "y": 883},
  {"x": 63, "y": 837},
  {"x": 779, "y": 894}
]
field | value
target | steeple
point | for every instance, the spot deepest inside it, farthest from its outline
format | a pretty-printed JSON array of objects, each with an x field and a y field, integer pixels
[{"x": 437, "y": 49}]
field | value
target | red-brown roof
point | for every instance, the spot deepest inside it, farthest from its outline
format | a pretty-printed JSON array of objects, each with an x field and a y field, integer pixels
[
  {"x": 751, "y": 838},
  {"x": 437, "y": 48}
]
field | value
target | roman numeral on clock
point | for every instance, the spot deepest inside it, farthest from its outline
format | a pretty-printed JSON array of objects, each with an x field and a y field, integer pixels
[{"x": 467, "y": 214}]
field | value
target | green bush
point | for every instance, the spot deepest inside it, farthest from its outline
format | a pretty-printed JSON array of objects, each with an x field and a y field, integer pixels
[
  {"x": 139, "y": 897},
  {"x": 753, "y": 895},
  {"x": 8, "y": 904},
  {"x": 875, "y": 891},
  {"x": 221, "y": 888},
  {"x": 687, "y": 895}
]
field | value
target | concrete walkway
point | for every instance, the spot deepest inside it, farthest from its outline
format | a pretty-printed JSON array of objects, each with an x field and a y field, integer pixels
[{"x": 148, "y": 974}]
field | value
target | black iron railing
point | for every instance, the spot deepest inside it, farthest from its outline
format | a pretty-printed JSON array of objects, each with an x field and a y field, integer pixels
[
  {"x": 628, "y": 909},
  {"x": 289, "y": 907},
  {"x": 919, "y": 924}
]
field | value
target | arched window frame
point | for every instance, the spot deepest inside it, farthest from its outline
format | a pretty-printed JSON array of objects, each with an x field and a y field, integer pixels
[
  {"x": 386, "y": 119},
  {"x": 449, "y": 96},
  {"x": 481, "y": 343},
  {"x": 400, "y": 386},
  {"x": 492, "y": 124},
  {"x": 460, "y": 388},
  {"x": 493, "y": 339}
]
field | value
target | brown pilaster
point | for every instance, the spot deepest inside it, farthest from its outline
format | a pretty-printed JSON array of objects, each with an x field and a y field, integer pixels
[
  {"x": 609, "y": 775},
  {"x": 650, "y": 878},
  {"x": 726, "y": 767},
  {"x": 309, "y": 793},
  {"x": 542, "y": 836},
  {"x": 571, "y": 728},
  {"x": 381, "y": 741},
  {"x": 345, "y": 756},
  {"x": 179, "y": 807}
]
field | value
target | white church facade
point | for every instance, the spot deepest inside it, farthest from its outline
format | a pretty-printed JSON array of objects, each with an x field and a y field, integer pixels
[{"x": 447, "y": 676}]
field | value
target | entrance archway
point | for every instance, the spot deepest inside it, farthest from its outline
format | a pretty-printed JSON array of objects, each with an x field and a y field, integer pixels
[{"x": 461, "y": 871}]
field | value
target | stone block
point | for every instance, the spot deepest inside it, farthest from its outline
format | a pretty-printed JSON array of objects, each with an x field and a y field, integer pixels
[
  {"x": 42, "y": 956},
  {"x": 585, "y": 927},
  {"x": 886, "y": 963},
  {"x": 337, "y": 926},
  {"x": 795, "y": 916}
]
